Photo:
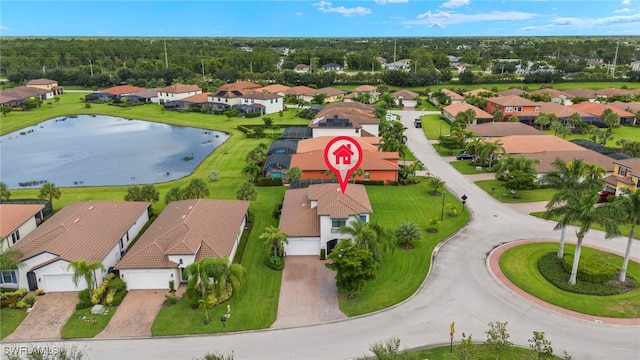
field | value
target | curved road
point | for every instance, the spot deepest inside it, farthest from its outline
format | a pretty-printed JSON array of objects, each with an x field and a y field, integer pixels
[{"x": 459, "y": 288}]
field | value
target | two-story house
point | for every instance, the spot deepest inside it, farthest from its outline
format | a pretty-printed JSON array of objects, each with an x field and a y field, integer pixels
[
  {"x": 626, "y": 174},
  {"x": 312, "y": 216},
  {"x": 513, "y": 105},
  {"x": 267, "y": 103},
  {"x": 177, "y": 92},
  {"x": 46, "y": 84}
]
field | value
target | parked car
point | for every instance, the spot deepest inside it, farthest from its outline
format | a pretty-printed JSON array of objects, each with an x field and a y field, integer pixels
[
  {"x": 603, "y": 196},
  {"x": 417, "y": 123},
  {"x": 465, "y": 156}
]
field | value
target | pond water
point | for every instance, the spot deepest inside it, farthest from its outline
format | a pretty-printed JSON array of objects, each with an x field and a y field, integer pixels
[{"x": 97, "y": 150}]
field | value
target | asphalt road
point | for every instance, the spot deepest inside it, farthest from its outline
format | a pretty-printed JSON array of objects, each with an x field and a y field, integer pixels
[{"x": 458, "y": 289}]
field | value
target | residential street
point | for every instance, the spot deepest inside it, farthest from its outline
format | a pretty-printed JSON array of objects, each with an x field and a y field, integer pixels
[{"x": 459, "y": 289}]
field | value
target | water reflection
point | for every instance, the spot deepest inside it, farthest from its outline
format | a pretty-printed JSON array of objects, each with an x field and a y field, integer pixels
[{"x": 102, "y": 150}]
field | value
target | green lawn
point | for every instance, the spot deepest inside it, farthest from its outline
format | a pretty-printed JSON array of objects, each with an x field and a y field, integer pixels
[
  {"x": 496, "y": 189},
  {"x": 82, "y": 324},
  {"x": 402, "y": 272},
  {"x": 625, "y": 229},
  {"x": 433, "y": 126},
  {"x": 466, "y": 167},
  {"x": 482, "y": 352},
  {"x": 520, "y": 265},
  {"x": 621, "y": 132},
  {"x": 9, "y": 320}
]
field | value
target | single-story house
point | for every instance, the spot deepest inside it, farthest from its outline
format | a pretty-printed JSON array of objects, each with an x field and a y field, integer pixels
[
  {"x": 298, "y": 92},
  {"x": 46, "y": 84},
  {"x": 177, "y": 92},
  {"x": 15, "y": 97},
  {"x": 302, "y": 68},
  {"x": 143, "y": 96},
  {"x": 239, "y": 85},
  {"x": 626, "y": 174},
  {"x": 563, "y": 112},
  {"x": 112, "y": 93},
  {"x": 331, "y": 94},
  {"x": 511, "y": 92},
  {"x": 92, "y": 231},
  {"x": 449, "y": 112},
  {"x": 500, "y": 129},
  {"x": 311, "y": 216},
  {"x": 582, "y": 93},
  {"x": 453, "y": 96},
  {"x": 406, "y": 98},
  {"x": 398, "y": 65},
  {"x": 184, "y": 233},
  {"x": 555, "y": 96},
  {"x": 596, "y": 109},
  {"x": 195, "y": 102},
  {"x": 632, "y": 107},
  {"x": 478, "y": 92},
  {"x": 332, "y": 67},
  {"x": 349, "y": 119},
  {"x": 18, "y": 221}
]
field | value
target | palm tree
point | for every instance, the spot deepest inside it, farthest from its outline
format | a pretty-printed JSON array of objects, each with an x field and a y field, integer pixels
[
  {"x": 257, "y": 155},
  {"x": 361, "y": 233},
  {"x": 49, "y": 191},
  {"x": 415, "y": 167},
  {"x": 575, "y": 120},
  {"x": 227, "y": 276},
  {"x": 274, "y": 239},
  {"x": 294, "y": 174},
  {"x": 509, "y": 164},
  {"x": 5, "y": 194},
  {"x": 356, "y": 173},
  {"x": 513, "y": 118},
  {"x": 569, "y": 177},
  {"x": 542, "y": 120},
  {"x": 630, "y": 208},
  {"x": 205, "y": 305},
  {"x": 246, "y": 191},
  {"x": 175, "y": 193},
  {"x": 196, "y": 189},
  {"x": 10, "y": 258},
  {"x": 498, "y": 116},
  {"x": 198, "y": 275},
  {"x": 408, "y": 233},
  {"x": 435, "y": 184},
  {"x": 87, "y": 271},
  {"x": 556, "y": 127},
  {"x": 253, "y": 170},
  {"x": 580, "y": 206},
  {"x": 610, "y": 118},
  {"x": 487, "y": 151}
]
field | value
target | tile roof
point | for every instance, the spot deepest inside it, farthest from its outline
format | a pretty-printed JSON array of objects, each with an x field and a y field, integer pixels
[
  {"x": 21, "y": 92},
  {"x": 239, "y": 85},
  {"x": 511, "y": 100},
  {"x": 526, "y": 144},
  {"x": 356, "y": 112},
  {"x": 405, "y": 94},
  {"x": 453, "y": 95},
  {"x": 632, "y": 107},
  {"x": 328, "y": 91},
  {"x": 320, "y": 142},
  {"x": 180, "y": 88},
  {"x": 561, "y": 111},
  {"x": 198, "y": 98},
  {"x": 229, "y": 94},
  {"x": 83, "y": 231},
  {"x": 579, "y": 92},
  {"x": 274, "y": 88},
  {"x": 597, "y": 109},
  {"x": 203, "y": 227},
  {"x": 14, "y": 215},
  {"x": 456, "y": 108},
  {"x": 300, "y": 218},
  {"x": 499, "y": 129},
  {"x": 371, "y": 161},
  {"x": 41, "y": 82},
  {"x": 612, "y": 92},
  {"x": 552, "y": 93},
  {"x": 365, "y": 88},
  {"x": 299, "y": 90},
  {"x": 589, "y": 156},
  {"x": 633, "y": 164},
  {"x": 122, "y": 89},
  {"x": 476, "y": 92},
  {"x": 511, "y": 92}
]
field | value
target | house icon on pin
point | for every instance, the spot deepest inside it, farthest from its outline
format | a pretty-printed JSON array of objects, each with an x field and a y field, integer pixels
[{"x": 343, "y": 154}]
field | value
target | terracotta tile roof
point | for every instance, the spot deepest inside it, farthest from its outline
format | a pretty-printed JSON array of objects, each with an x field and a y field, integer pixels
[
  {"x": 511, "y": 100},
  {"x": 203, "y": 227},
  {"x": 608, "y": 92},
  {"x": 83, "y": 231},
  {"x": 180, "y": 88},
  {"x": 239, "y": 85},
  {"x": 511, "y": 92},
  {"x": 499, "y": 129},
  {"x": 41, "y": 82},
  {"x": 122, "y": 89},
  {"x": 453, "y": 95},
  {"x": 229, "y": 94},
  {"x": 363, "y": 88},
  {"x": 476, "y": 92},
  {"x": 456, "y": 108},
  {"x": 147, "y": 93},
  {"x": 589, "y": 156},
  {"x": 354, "y": 111},
  {"x": 632, "y": 107},
  {"x": 579, "y": 92},
  {"x": 597, "y": 109},
  {"x": 552, "y": 93},
  {"x": 262, "y": 96},
  {"x": 299, "y": 90},
  {"x": 632, "y": 164},
  {"x": 274, "y": 88},
  {"x": 320, "y": 142},
  {"x": 300, "y": 218},
  {"x": 561, "y": 111},
  {"x": 526, "y": 144},
  {"x": 371, "y": 161},
  {"x": 350, "y": 96},
  {"x": 14, "y": 215},
  {"x": 198, "y": 98},
  {"x": 328, "y": 91},
  {"x": 405, "y": 95}
]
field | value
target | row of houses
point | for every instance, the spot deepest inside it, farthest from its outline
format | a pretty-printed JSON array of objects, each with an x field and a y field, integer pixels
[{"x": 42, "y": 89}]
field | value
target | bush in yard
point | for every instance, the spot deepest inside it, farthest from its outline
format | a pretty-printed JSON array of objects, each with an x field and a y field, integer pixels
[
  {"x": 118, "y": 297},
  {"x": 98, "y": 294},
  {"x": 590, "y": 269},
  {"x": 10, "y": 298},
  {"x": 275, "y": 262},
  {"x": 85, "y": 300}
]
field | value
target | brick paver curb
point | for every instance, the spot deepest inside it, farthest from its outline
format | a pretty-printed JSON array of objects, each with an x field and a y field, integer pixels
[{"x": 494, "y": 268}]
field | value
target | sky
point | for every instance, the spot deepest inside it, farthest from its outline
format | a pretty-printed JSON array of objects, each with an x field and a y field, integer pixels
[{"x": 319, "y": 18}]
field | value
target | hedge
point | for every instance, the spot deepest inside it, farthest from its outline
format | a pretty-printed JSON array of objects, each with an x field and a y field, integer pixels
[
  {"x": 590, "y": 269},
  {"x": 10, "y": 298},
  {"x": 270, "y": 182}
]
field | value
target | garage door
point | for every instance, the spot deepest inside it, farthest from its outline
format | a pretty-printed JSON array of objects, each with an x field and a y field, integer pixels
[
  {"x": 147, "y": 279},
  {"x": 302, "y": 247},
  {"x": 62, "y": 282}
]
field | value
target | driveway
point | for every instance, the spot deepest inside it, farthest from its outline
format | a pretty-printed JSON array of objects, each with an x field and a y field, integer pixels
[
  {"x": 308, "y": 293},
  {"x": 49, "y": 314},
  {"x": 135, "y": 315}
]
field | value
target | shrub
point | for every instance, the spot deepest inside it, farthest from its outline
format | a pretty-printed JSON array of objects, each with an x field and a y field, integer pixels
[
  {"x": 193, "y": 296},
  {"x": 371, "y": 182},
  {"x": 98, "y": 294},
  {"x": 30, "y": 300},
  {"x": 85, "y": 300},
  {"x": 8, "y": 298},
  {"x": 39, "y": 291},
  {"x": 252, "y": 115},
  {"x": 117, "y": 285},
  {"x": 21, "y": 304},
  {"x": 244, "y": 129},
  {"x": 118, "y": 297},
  {"x": 590, "y": 269},
  {"x": 170, "y": 299},
  {"x": 275, "y": 263},
  {"x": 270, "y": 182}
]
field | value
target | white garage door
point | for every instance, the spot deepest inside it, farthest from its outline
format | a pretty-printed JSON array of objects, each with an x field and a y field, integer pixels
[
  {"x": 61, "y": 282},
  {"x": 302, "y": 247},
  {"x": 147, "y": 279}
]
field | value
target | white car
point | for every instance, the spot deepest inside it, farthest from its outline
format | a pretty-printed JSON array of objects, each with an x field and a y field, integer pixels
[{"x": 391, "y": 117}]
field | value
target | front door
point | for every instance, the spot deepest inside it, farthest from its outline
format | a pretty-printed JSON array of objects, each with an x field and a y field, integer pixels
[
  {"x": 330, "y": 245},
  {"x": 31, "y": 280}
]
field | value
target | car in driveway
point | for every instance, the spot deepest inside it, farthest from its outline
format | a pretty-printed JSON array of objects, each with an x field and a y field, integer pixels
[
  {"x": 417, "y": 123},
  {"x": 465, "y": 156},
  {"x": 605, "y": 196}
]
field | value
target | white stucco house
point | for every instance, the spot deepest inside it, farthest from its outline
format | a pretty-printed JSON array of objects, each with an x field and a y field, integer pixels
[
  {"x": 177, "y": 92},
  {"x": 185, "y": 232},
  {"x": 406, "y": 98},
  {"x": 93, "y": 231},
  {"x": 311, "y": 216},
  {"x": 348, "y": 119},
  {"x": 272, "y": 103},
  {"x": 18, "y": 221}
]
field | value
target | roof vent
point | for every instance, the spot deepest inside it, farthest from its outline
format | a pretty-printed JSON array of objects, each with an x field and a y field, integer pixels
[
  {"x": 190, "y": 207},
  {"x": 184, "y": 217},
  {"x": 91, "y": 207},
  {"x": 76, "y": 220}
]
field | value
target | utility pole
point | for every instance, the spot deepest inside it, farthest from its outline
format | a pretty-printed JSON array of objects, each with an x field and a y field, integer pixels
[
  {"x": 202, "y": 63},
  {"x": 615, "y": 59},
  {"x": 166, "y": 58},
  {"x": 394, "y": 50},
  {"x": 91, "y": 67}
]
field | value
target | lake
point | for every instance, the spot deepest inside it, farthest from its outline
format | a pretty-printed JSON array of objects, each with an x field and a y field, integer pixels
[{"x": 90, "y": 150}]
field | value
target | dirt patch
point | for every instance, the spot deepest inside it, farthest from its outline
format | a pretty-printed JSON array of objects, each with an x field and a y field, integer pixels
[{"x": 49, "y": 315}]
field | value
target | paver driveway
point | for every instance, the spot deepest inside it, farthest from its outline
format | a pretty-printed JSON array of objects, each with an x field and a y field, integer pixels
[
  {"x": 308, "y": 294},
  {"x": 50, "y": 313},
  {"x": 135, "y": 315}
]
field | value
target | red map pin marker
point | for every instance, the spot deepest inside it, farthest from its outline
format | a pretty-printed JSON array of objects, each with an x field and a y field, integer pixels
[{"x": 343, "y": 156}]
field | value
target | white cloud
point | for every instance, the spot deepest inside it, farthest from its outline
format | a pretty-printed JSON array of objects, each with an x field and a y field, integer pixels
[
  {"x": 626, "y": 2},
  {"x": 593, "y": 22},
  {"x": 325, "y": 7},
  {"x": 4, "y": 28},
  {"x": 101, "y": 33},
  {"x": 396, "y": 17},
  {"x": 298, "y": 13},
  {"x": 625, "y": 10},
  {"x": 382, "y": 2},
  {"x": 454, "y": 3},
  {"x": 407, "y": 27},
  {"x": 444, "y": 18}
]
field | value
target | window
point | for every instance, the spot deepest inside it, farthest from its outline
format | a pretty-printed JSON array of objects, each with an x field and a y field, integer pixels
[
  {"x": 363, "y": 217},
  {"x": 367, "y": 175},
  {"x": 537, "y": 109},
  {"x": 336, "y": 223},
  {"x": 8, "y": 277},
  {"x": 508, "y": 109},
  {"x": 518, "y": 109},
  {"x": 15, "y": 237},
  {"x": 622, "y": 171}
]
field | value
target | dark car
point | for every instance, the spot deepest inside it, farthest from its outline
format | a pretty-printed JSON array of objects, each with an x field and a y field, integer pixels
[
  {"x": 603, "y": 196},
  {"x": 417, "y": 123},
  {"x": 465, "y": 156}
]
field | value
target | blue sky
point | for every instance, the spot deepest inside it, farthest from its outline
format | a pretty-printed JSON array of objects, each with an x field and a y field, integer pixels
[{"x": 319, "y": 18}]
